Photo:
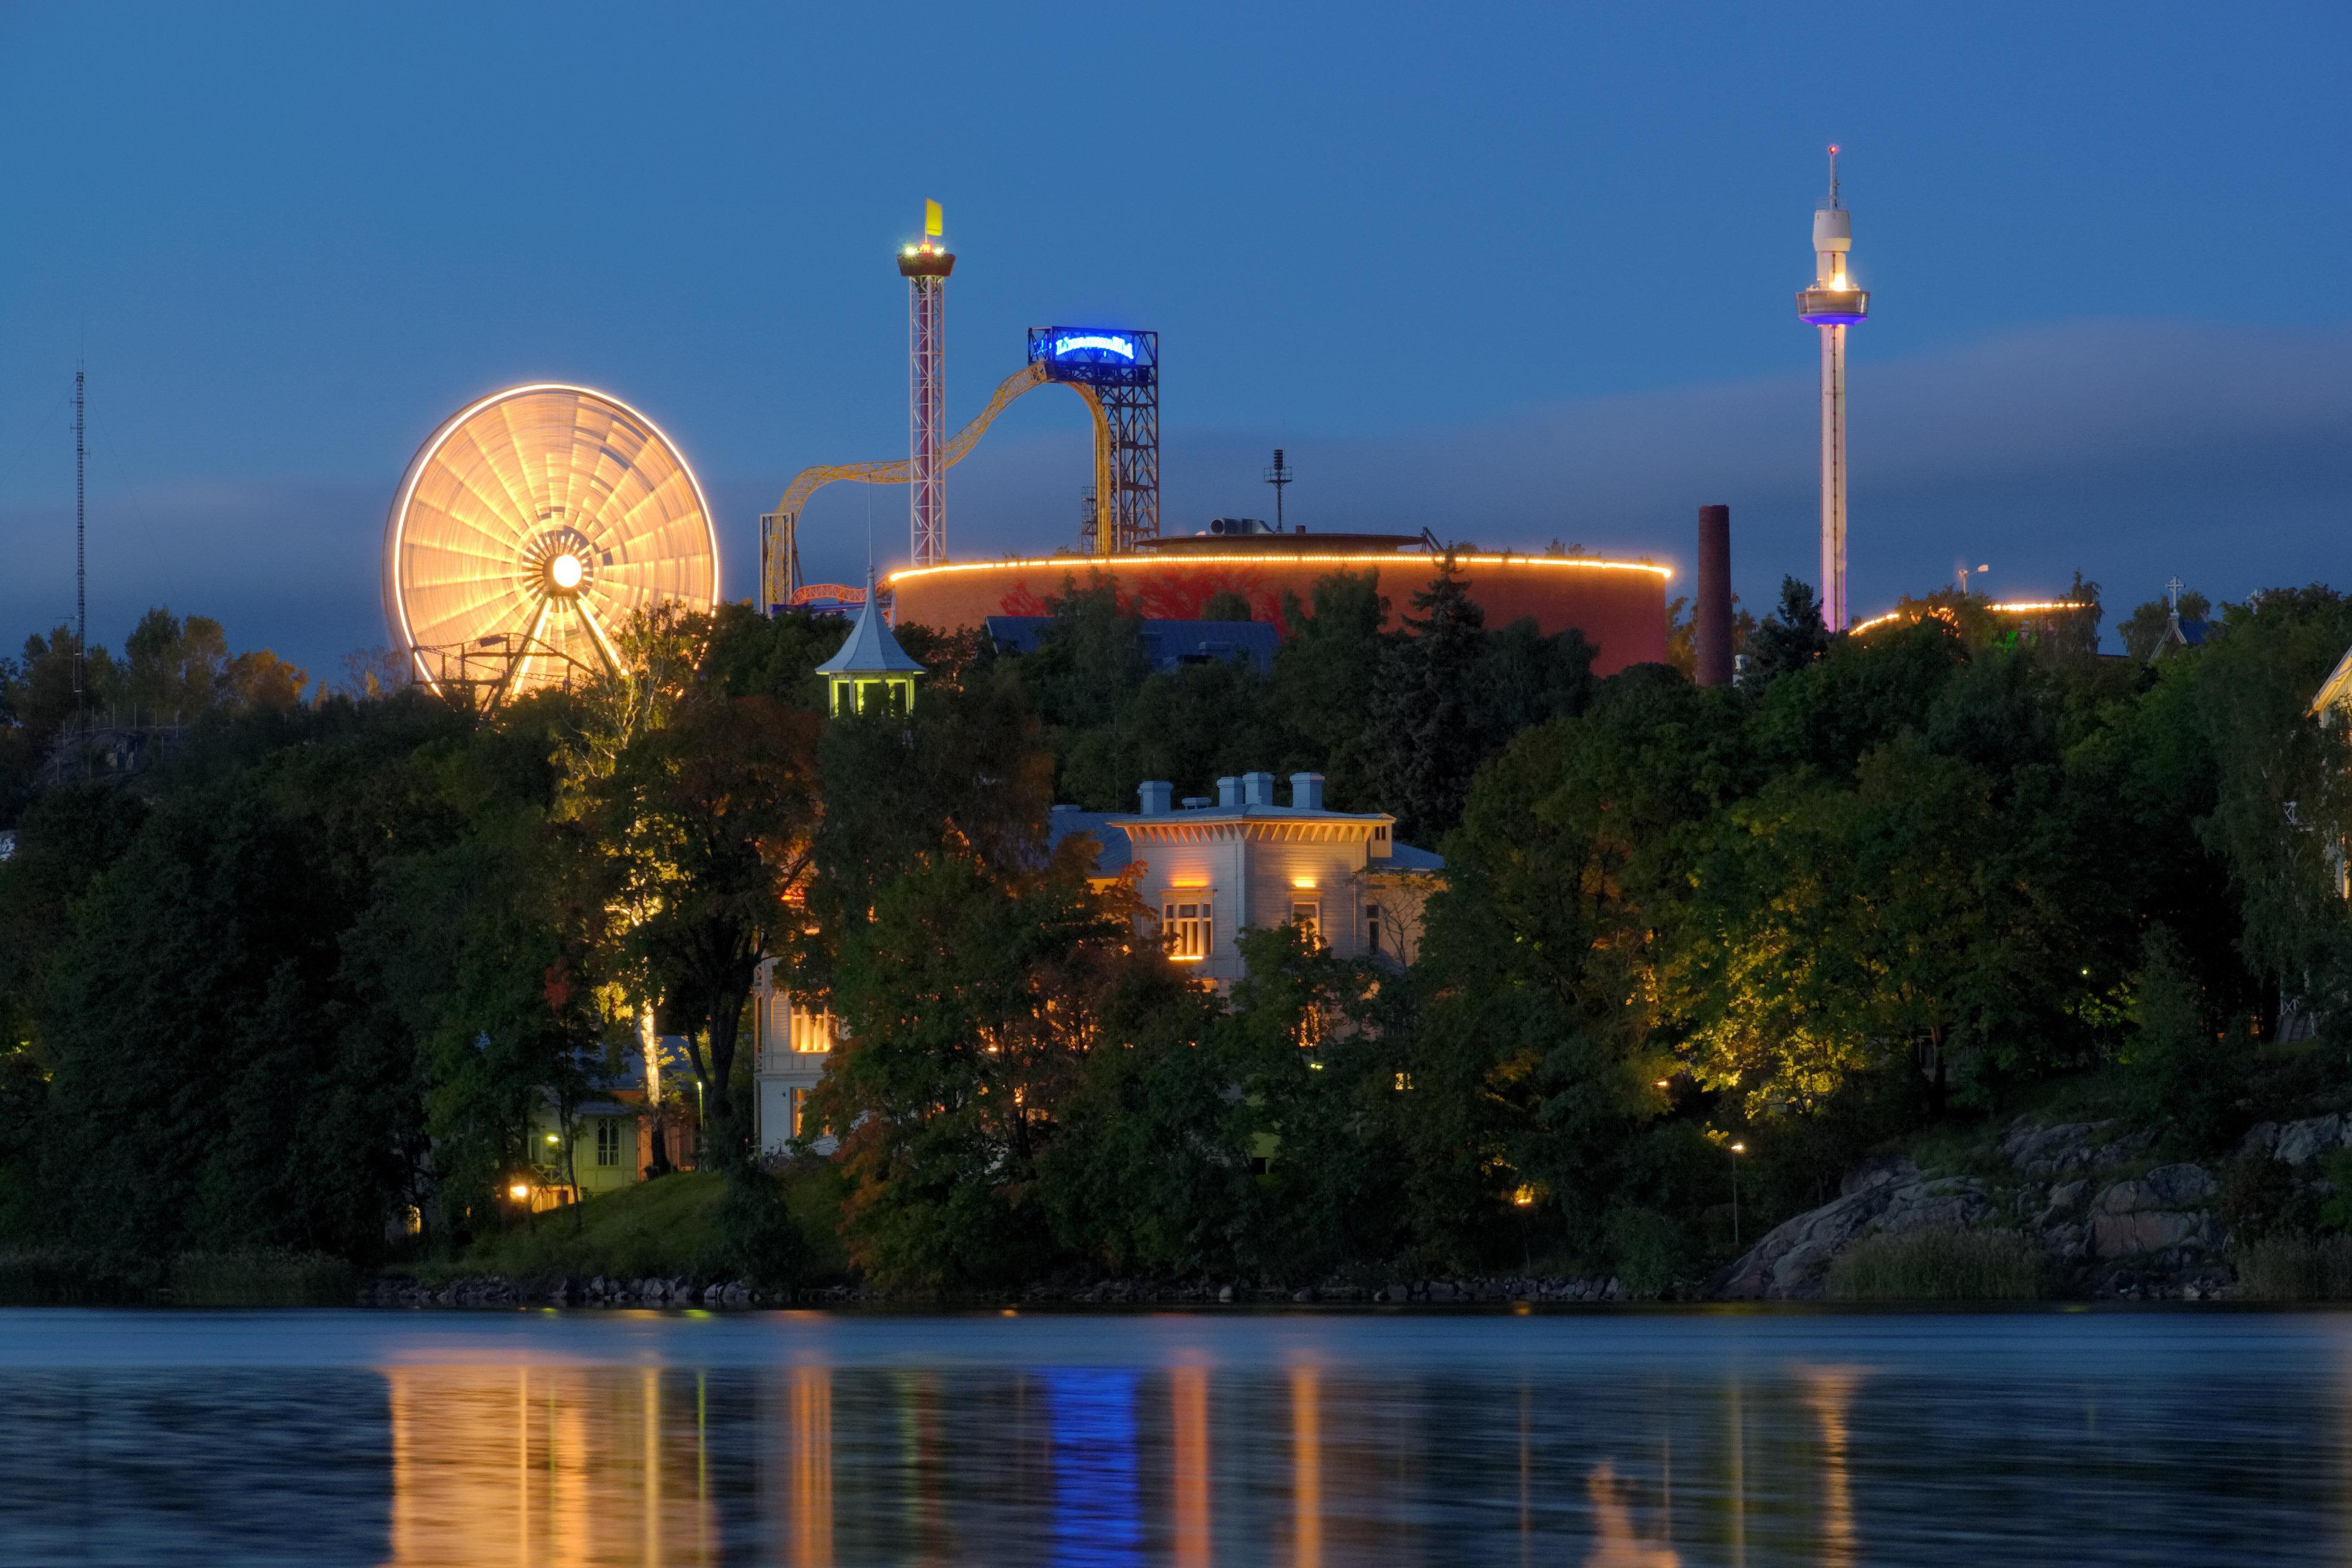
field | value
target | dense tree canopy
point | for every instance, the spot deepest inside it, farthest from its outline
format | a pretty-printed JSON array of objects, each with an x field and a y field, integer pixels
[{"x": 321, "y": 961}]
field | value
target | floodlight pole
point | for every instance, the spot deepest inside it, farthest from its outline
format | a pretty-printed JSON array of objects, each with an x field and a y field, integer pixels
[
  {"x": 1278, "y": 474},
  {"x": 81, "y": 521}
]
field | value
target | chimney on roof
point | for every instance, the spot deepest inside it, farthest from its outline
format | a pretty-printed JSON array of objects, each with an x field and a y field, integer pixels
[
  {"x": 1307, "y": 792},
  {"x": 1711, "y": 613},
  {"x": 1156, "y": 793},
  {"x": 1257, "y": 789},
  {"x": 1229, "y": 793}
]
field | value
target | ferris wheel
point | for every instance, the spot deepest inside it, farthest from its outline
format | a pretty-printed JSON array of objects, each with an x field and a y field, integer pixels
[{"x": 527, "y": 529}]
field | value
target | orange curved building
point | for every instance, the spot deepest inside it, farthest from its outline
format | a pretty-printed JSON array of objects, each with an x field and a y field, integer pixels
[{"x": 1619, "y": 605}]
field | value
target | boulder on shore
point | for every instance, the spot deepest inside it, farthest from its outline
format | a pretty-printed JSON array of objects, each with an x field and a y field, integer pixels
[{"x": 1791, "y": 1263}]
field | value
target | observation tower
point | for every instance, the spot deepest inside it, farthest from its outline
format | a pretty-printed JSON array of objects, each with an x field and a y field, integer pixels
[
  {"x": 926, "y": 267},
  {"x": 1833, "y": 304}
]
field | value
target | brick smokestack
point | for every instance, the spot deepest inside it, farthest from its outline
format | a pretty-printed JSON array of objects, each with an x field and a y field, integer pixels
[{"x": 1711, "y": 616}]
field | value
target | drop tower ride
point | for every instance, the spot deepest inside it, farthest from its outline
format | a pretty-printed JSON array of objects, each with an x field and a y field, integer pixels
[
  {"x": 926, "y": 267},
  {"x": 1833, "y": 304}
]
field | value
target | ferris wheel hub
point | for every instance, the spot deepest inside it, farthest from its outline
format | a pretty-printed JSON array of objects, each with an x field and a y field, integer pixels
[{"x": 564, "y": 572}]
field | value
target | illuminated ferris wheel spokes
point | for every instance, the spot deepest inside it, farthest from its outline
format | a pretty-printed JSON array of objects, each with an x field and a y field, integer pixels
[{"x": 529, "y": 528}]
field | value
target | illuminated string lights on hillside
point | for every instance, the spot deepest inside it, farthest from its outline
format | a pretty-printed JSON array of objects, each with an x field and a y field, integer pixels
[{"x": 2011, "y": 607}]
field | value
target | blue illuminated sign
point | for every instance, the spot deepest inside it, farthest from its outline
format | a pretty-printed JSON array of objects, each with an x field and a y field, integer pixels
[{"x": 1101, "y": 343}]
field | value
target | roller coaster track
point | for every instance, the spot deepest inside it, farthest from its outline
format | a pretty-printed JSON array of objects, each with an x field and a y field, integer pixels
[{"x": 780, "y": 550}]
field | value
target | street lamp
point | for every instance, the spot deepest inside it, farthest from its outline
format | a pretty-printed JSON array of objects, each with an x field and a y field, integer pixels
[{"x": 1736, "y": 1151}]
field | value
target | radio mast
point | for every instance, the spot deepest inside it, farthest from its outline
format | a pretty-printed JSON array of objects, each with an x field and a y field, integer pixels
[
  {"x": 82, "y": 573},
  {"x": 1278, "y": 474}
]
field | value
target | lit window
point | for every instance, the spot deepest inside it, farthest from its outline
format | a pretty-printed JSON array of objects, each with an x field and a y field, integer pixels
[
  {"x": 803, "y": 1126},
  {"x": 1188, "y": 931},
  {"x": 1309, "y": 918},
  {"x": 1404, "y": 1081},
  {"x": 812, "y": 1031},
  {"x": 608, "y": 1143}
]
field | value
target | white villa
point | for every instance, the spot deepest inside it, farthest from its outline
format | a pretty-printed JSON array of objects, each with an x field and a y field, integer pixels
[
  {"x": 1209, "y": 870},
  {"x": 1206, "y": 869},
  {"x": 792, "y": 1044}
]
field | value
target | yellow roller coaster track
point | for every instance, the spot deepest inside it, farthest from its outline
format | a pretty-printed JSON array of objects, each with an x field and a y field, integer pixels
[{"x": 780, "y": 551}]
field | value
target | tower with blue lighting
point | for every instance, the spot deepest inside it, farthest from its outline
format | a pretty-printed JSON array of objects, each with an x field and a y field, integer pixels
[
  {"x": 1119, "y": 370},
  {"x": 1833, "y": 304}
]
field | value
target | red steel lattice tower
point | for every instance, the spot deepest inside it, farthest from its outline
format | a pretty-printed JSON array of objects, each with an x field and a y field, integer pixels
[{"x": 926, "y": 267}]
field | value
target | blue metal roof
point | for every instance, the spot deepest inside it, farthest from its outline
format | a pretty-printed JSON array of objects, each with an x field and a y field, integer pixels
[
  {"x": 1116, "y": 851},
  {"x": 1166, "y": 644}
]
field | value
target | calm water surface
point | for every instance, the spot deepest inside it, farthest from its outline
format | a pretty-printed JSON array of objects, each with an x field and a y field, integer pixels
[{"x": 802, "y": 1439}]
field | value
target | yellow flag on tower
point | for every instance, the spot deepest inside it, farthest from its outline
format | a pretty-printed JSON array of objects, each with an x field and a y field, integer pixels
[{"x": 931, "y": 219}]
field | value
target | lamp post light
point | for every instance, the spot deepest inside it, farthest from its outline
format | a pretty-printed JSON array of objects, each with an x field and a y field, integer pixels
[
  {"x": 1736, "y": 1151},
  {"x": 1523, "y": 1198}
]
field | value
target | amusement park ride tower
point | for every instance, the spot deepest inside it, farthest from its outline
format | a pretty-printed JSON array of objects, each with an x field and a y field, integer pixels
[
  {"x": 926, "y": 268},
  {"x": 1833, "y": 304}
]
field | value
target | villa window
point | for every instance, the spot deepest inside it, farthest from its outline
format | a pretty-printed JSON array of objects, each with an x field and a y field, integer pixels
[
  {"x": 1372, "y": 927},
  {"x": 1188, "y": 931},
  {"x": 802, "y": 1127},
  {"x": 812, "y": 1031},
  {"x": 608, "y": 1143},
  {"x": 1307, "y": 916}
]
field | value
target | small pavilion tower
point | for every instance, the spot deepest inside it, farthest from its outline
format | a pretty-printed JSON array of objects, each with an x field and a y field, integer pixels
[{"x": 871, "y": 672}]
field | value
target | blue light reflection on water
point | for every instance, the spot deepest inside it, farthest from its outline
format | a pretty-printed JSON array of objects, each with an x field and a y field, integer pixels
[
  {"x": 1098, "y": 1516},
  {"x": 804, "y": 1438}
]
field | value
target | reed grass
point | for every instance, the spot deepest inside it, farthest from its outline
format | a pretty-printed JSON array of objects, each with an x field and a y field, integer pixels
[
  {"x": 2295, "y": 1268},
  {"x": 270, "y": 1278},
  {"x": 67, "y": 1276},
  {"x": 1942, "y": 1264}
]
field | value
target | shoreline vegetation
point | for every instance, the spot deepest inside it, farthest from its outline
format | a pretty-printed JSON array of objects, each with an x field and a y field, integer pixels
[{"x": 1949, "y": 962}]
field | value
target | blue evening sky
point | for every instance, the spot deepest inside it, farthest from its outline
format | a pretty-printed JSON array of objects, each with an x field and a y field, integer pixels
[{"x": 1512, "y": 273}]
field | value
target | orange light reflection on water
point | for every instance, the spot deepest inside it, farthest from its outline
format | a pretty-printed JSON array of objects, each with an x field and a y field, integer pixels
[
  {"x": 1188, "y": 1394},
  {"x": 1307, "y": 1467},
  {"x": 543, "y": 1464},
  {"x": 1829, "y": 1391}
]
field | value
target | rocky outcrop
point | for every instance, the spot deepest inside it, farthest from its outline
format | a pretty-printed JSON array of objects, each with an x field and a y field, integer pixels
[
  {"x": 2070, "y": 1146},
  {"x": 2298, "y": 1143},
  {"x": 1886, "y": 1198},
  {"x": 2155, "y": 1233},
  {"x": 2155, "y": 1213},
  {"x": 491, "y": 1290}
]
